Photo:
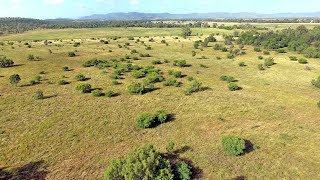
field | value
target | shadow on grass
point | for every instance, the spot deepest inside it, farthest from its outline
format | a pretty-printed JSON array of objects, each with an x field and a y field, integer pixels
[
  {"x": 34, "y": 170},
  {"x": 239, "y": 178},
  {"x": 48, "y": 97},
  {"x": 249, "y": 147}
]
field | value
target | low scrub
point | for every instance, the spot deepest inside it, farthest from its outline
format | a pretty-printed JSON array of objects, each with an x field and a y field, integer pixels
[
  {"x": 171, "y": 82},
  {"x": 136, "y": 88},
  {"x": 175, "y": 73},
  {"x": 149, "y": 120},
  {"x": 5, "y": 62},
  {"x": 84, "y": 88},
  {"x": 233, "y": 87},
  {"x": 192, "y": 87},
  {"x": 227, "y": 78},
  {"x": 233, "y": 145}
]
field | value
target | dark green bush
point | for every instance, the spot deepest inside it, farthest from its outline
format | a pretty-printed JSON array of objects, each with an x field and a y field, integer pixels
[
  {"x": 193, "y": 86},
  {"x": 266, "y": 52},
  {"x": 260, "y": 57},
  {"x": 316, "y": 82},
  {"x": 136, "y": 88},
  {"x": 161, "y": 116},
  {"x": 97, "y": 93},
  {"x": 183, "y": 171},
  {"x": 30, "y": 57},
  {"x": 109, "y": 93},
  {"x": 242, "y": 64},
  {"x": 175, "y": 73},
  {"x": 138, "y": 74},
  {"x": 293, "y": 58},
  {"x": 71, "y": 54},
  {"x": 303, "y": 61},
  {"x": 14, "y": 79},
  {"x": 145, "y": 120},
  {"x": 84, "y": 88},
  {"x": 154, "y": 77},
  {"x": 5, "y": 62},
  {"x": 38, "y": 95},
  {"x": 233, "y": 145},
  {"x": 156, "y": 62},
  {"x": 231, "y": 56},
  {"x": 257, "y": 49},
  {"x": 180, "y": 63},
  {"x": 261, "y": 67},
  {"x": 203, "y": 66},
  {"x": 80, "y": 77},
  {"x": 171, "y": 82},
  {"x": 233, "y": 87},
  {"x": 269, "y": 62},
  {"x": 227, "y": 78},
  {"x": 62, "y": 82},
  {"x": 65, "y": 68},
  {"x": 142, "y": 163}
]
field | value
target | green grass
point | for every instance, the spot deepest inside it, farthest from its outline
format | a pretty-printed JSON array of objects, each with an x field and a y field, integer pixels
[{"x": 77, "y": 134}]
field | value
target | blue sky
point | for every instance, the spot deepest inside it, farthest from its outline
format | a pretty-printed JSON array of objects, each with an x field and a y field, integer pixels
[{"x": 43, "y": 9}]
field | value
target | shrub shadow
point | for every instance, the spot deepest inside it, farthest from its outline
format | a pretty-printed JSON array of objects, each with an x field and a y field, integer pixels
[
  {"x": 171, "y": 117},
  {"x": 249, "y": 147},
  {"x": 240, "y": 178},
  {"x": 34, "y": 170},
  {"x": 48, "y": 97}
]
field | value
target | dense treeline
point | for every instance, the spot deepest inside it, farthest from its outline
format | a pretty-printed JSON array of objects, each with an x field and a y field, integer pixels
[{"x": 301, "y": 40}]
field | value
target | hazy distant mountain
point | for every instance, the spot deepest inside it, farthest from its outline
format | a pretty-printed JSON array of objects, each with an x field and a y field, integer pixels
[{"x": 214, "y": 15}]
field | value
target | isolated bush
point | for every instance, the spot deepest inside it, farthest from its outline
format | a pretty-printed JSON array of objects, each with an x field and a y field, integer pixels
[
  {"x": 156, "y": 62},
  {"x": 84, "y": 88},
  {"x": 266, "y": 52},
  {"x": 303, "y": 61},
  {"x": 30, "y": 57},
  {"x": 5, "y": 62},
  {"x": 180, "y": 63},
  {"x": 233, "y": 145},
  {"x": 183, "y": 171},
  {"x": 136, "y": 88},
  {"x": 175, "y": 73},
  {"x": 230, "y": 56},
  {"x": 71, "y": 54},
  {"x": 171, "y": 82},
  {"x": 76, "y": 44},
  {"x": 281, "y": 51},
  {"x": 33, "y": 82},
  {"x": 316, "y": 82},
  {"x": 260, "y": 57},
  {"x": 293, "y": 58},
  {"x": 62, "y": 82},
  {"x": 242, "y": 64},
  {"x": 233, "y": 87},
  {"x": 227, "y": 78},
  {"x": 193, "y": 86},
  {"x": 269, "y": 62},
  {"x": 138, "y": 74},
  {"x": 38, "y": 95},
  {"x": 109, "y": 93},
  {"x": 154, "y": 77},
  {"x": 14, "y": 79},
  {"x": 65, "y": 68},
  {"x": 170, "y": 146},
  {"x": 143, "y": 163},
  {"x": 261, "y": 67},
  {"x": 145, "y": 120},
  {"x": 97, "y": 93},
  {"x": 257, "y": 49},
  {"x": 161, "y": 116},
  {"x": 80, "y": 77}
]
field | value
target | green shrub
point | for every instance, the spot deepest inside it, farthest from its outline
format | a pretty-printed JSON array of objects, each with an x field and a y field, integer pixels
[
  {"x": 257, "y": 49},
  {"x": 281, "y": 51},
  {"x": 84, "y": 88},
  {"x": 142, "y": 163},
  {"x": 227, "y": 78},
  {"x": 115, "y": 82},
  {"x": 136, "y": 88},
  {"x": 175, "y": 73},
  {"x": 71, "y": 54},
  {"x": 230, "y": 56},
  {"x": 242, "y": 64},
  {"x": 171, "y": 82},
  {"x": 156, "y": 62},
  {"x": 193, "y": 86},
  {"x": 269, "y": 62},
  {"x": 154, "y": 77},
  {"x": 166, "y": 61},
  {"x": 303, "y": 61},
  {"x": 76, "y": 44},
  {"x": 183, "y": 171},
  {"x": 260, "y": 57},
  {"x": 316, "y": 82},
  {"x": 145, "y": 120},
  {"x": 14, "y": 79},
  {"x": 203, "y": 66},
  {"x": 180, "y": 63},
  {"x": 38, "y": 95},
  {"x": 65, "y": 68},
  {"x": 30, "y": 57},
  {"x": 293, "y": 58},
  {"x": 5, "y": 62},
  {"x": 109, "y": 93},
  {"x": 190, "y": 78},
  {"x": 170, "y": 146},
  {"x": 97, "y": 93},
  {"x": 233, "y": 87},
  {"x": 233, "y": 145},
  {"x": 80, "y": 77},
  {"x": 62, "y": 82},
  {"x": 33, "y": 82},
  {"x": 266, "y": 52},
  {"x": 261, "y": 67},
  {"x": 138, "y": 74},
  {"x": 161, "y": 116}
]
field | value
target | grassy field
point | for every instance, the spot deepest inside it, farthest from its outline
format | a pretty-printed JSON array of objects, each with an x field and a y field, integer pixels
[{"x": 75, "y": 135}]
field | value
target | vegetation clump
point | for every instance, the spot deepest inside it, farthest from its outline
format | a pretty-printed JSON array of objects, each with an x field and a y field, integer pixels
[
  {"x": 38, "y": 95},
  {"x": 84, "y": 87},
  {"x": 227, "y": 78},
  {"x": 171, "y": 82},
  {"x": 233, "y": 145},
  {"x": 180, "y": 63},
  {"x": 149, "y": 120},
  {"x": 192, "y": 87},
  {"x": 15, "y": 79},
  {"x": 5, "y": 62},
  {"x": 316, "y": 82},
  {"x": 136, "y": 88},
  {"x": 233, "y": 87}
]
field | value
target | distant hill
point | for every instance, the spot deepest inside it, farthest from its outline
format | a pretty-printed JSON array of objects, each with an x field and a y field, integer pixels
[{"x": 214, "y": 15}]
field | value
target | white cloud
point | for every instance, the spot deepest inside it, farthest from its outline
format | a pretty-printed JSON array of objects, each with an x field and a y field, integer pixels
[
  {"x": 134, "y": 2},
  {"x": 53, "y": 2}
]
